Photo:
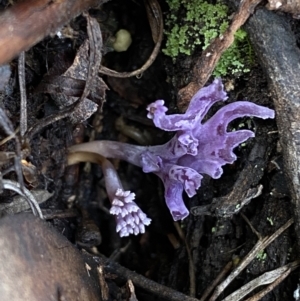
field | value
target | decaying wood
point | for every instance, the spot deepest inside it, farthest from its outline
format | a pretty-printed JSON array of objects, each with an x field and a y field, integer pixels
[
  {"x": 276, "y": 47},
  {"x": 29, "y": 21}
]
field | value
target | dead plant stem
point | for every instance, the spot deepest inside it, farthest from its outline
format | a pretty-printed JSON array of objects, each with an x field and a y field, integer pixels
[{"x": 259, "y": 246}]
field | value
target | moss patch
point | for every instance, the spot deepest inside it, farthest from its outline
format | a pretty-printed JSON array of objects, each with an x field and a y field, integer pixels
[{"x": 194, "y": 23}]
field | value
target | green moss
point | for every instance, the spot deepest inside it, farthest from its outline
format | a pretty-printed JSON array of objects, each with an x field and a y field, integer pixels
[{"x": 194, "y": 23}]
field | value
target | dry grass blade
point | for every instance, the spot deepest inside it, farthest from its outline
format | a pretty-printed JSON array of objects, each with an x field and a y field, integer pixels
[
  {"x": 260, "y": 245},
  {"x": 270, "y": 287},
  {"x": 192, "y": 272},
  {"x": 22, "y": 84},
  {"x": 266, "y": 278}
]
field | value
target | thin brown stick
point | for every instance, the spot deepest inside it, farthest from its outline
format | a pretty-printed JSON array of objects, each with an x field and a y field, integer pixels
[
  {"x": 209, "y": 58},
  {"x": 251, "y": 226},
  {"x": 161, "y": 291},
  {"x": 12, "y": 136},
  {"x": 29, "y": 21},
  {"x": 192, "y": 272}
]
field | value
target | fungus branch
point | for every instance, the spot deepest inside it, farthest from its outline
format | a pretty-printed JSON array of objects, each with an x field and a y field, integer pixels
[{"x": 129, "y": 217}]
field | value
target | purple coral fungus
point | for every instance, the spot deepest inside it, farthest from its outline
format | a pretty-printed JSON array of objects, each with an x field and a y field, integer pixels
[
  {"x": 129, "y": 217},
  {"x": 196, "y": 148}
]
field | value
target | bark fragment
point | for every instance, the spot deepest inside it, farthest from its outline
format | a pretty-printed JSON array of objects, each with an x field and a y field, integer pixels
[{"x": 276, "y": 48}]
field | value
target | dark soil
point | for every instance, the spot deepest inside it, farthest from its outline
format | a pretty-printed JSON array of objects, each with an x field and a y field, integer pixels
[{"x": 207, "y": 241}]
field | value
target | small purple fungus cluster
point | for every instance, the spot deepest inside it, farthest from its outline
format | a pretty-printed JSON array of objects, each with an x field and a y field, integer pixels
[
  {"x": 196, "y": 148},
  {"x": 129, "y": 217}
]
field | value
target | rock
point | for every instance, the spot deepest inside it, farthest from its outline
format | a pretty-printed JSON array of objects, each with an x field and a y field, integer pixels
[{"x": 38, "y": 263}]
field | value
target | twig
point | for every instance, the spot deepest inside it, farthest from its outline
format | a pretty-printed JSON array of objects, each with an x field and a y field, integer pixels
[
  {"x": 251, "y": 226},
  {"x": 116, "y": 254},
  {"x": 270, "y": 287},
  {"x": 157, "y": 14},
  {"x": 209, "y": 58},
  {"x": 266, "y": 278},
  {"x": 142, "y": 282},
  {"x": 12, "y": 136},
  {"x": 260, "y": 245},
  {"x": 103, "y": 284},
  {"x": 56, "y": 213},
  {"x": 20, "y": 204},
  {"x": 192, "y": 273},
  {"x": 22, "y": 84}
]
